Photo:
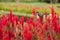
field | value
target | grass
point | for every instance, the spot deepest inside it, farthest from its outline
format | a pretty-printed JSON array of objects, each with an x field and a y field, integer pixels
[
  {"x": 19, "y": 14},
  {"x": 26, "y": 8}
]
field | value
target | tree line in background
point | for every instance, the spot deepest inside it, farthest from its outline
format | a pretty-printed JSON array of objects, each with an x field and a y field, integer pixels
[{"x": 48, "y": 1}]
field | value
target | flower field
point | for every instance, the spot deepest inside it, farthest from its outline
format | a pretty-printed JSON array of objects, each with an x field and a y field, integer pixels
[{"x": 13, "y": 27}]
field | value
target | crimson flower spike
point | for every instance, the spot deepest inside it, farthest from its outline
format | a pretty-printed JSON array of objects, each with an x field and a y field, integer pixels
[
  {"x": 27, "y": 34},
  {"x": 42, "y": 35},
  {"x": 27, "y": 19},
  {"x": 10, "y": 15},
  {"x": 34, "y": 12},
  {"x": 49, "y": 37},
  {"x": 52, "y": 9},
  {"x": 22, "y": 21},
  {"x": 1, "y": 33}
]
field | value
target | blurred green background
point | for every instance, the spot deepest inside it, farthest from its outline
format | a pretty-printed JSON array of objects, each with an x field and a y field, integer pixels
[
  {"x": 53, "y": 1},
  {"x": 25, "y": 7}
]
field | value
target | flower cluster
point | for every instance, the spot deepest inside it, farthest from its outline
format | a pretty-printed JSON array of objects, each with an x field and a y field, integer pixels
[{"x": 14, "y": 28}]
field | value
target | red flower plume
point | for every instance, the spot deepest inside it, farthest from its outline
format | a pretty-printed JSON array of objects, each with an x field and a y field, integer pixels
[
  {"x": 27, "y": 35},
  {"x": 34, "y": 12},
  {"x": 4, "y": 20},
  {"x": 42, "y": 35},
  {"x": 53, "y": 12},
  {"x": 15, "y": 20},
  {"x": 27, "y": 19},
  {"x": 22, "y": 21},
  {"x": 10, "y": 16},
  {"x": 49, "y": 37},
  {"x": 1, "y": 33}
]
